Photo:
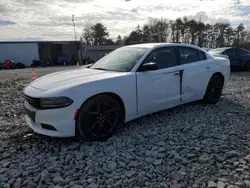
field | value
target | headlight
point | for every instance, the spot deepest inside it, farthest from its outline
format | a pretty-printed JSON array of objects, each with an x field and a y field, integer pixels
[{"x": 55, "y": 102}]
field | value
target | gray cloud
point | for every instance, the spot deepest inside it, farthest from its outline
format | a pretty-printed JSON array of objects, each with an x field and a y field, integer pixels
[
  {"x": 160, "y": 8},
  {"x": 44, "y": 19},
  {"x": 3, "y": 8}
]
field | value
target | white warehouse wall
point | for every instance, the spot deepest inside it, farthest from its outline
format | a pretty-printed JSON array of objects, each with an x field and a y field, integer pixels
[{"x": 19, "y": 52}]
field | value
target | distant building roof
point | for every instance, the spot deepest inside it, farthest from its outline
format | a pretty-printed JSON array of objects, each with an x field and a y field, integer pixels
[
  {"x": 103, "y": 47},
  {"x": 40, "y": 41}
]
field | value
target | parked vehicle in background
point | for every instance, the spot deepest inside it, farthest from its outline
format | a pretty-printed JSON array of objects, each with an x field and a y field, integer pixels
[
  {"x": 36, "y": 63},
  {"x": 9, "y": 64},
  {"x": 132, "y": 81},
  {"x": 63, "y": 59},
  {"x": 1, "y": 66},
  {"x": 40, "y": 63},
  {"x": 238, "y": 57},
  {"x": 20, "y": 65},
  {"x": 207, "y": 49}
]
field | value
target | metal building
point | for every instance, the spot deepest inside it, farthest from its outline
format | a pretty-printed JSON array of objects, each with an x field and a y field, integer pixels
[
  {"x": 50, "y": 51},
  {"x": 97, "y": 52}
]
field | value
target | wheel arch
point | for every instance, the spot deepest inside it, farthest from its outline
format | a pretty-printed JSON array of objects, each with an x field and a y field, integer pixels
[
  {"x": 219, "y": 74},
  {"x": 216, "y": 73},
  {"x": 223, "y": 82},
  {"x": 114, "y": 96}
]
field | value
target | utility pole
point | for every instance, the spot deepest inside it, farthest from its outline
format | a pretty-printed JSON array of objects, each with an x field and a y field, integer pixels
[{"x": 73, "y": 20}]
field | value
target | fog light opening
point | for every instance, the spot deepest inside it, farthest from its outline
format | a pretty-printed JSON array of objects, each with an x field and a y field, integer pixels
[{"x": 49, "y": 127}]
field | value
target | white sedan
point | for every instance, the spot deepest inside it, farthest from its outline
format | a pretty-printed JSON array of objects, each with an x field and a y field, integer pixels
[{"x": 130, "y": 82}]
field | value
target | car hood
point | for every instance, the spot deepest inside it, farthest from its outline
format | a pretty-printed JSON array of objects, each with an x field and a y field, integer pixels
[{"x": 71, "y": 78}]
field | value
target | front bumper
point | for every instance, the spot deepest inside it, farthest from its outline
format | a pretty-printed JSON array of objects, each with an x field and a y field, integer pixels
[{"x": 62, "y": 120}]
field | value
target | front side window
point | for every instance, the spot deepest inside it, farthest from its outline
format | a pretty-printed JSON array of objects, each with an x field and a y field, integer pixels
[
  {"x": 188, "y": 55},
  {"x": 121, "y": 60},
  {"x": 241, "y": 52},
  {"x": 164, "y": 57}
]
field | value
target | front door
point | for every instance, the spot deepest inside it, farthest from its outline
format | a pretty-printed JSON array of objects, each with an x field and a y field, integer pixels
[{"x": 159, "y": 89}]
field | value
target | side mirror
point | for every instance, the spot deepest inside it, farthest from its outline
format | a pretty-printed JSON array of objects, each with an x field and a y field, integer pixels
[{"x": 149, "y": 66}]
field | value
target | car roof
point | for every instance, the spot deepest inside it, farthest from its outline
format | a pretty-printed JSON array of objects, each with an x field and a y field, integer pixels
[{"x": 154, "y": 45}]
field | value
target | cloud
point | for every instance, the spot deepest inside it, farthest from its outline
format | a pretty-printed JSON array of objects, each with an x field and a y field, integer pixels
[
  {"x": 6, "y": 22},
  {"x": 51, "y": 19},
  {"x": 245, "y": 2}
]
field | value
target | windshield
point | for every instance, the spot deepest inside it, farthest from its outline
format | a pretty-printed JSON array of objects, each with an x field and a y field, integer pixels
[{"x": 121, "y": 60}]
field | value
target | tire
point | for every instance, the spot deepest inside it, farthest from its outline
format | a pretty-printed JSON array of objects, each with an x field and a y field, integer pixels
[
  {"x": 214, "y": 89},
  {"x": 99, "y": 118},
  {"x": 247, "y": 66}
]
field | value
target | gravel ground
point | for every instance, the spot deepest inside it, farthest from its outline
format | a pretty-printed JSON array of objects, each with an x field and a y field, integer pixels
[{"x": 194, "y": 145}]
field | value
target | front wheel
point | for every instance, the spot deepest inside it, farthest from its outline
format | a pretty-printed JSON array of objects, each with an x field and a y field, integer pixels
[
  {"x": 99, "y": 118},
  {"x": 214, "y": 89}
]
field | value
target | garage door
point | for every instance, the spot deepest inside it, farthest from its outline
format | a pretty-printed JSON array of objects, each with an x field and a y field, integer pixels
[{"x": 19, "y": 52}]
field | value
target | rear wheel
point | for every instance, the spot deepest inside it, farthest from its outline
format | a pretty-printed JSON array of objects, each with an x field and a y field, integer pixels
[
  {"x": 247, "y": 66},
  {"x": 214, "y": 89},
  {"x": 99, "y": 118}
]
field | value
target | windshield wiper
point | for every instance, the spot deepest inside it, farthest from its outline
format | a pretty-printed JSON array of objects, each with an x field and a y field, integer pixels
[{"x": 100, "y": 69}]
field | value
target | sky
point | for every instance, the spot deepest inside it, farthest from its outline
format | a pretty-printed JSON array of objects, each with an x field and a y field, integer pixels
[{"x": 52, "y": 19}]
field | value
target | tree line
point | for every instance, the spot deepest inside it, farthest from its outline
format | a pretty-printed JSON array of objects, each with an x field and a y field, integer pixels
[{"x": 184, "y": 30}]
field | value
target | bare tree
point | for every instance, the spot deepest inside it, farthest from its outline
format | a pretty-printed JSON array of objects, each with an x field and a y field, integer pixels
[{"x": 87, "y": 35}]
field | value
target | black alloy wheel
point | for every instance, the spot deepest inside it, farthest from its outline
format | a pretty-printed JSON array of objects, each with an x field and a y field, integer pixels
[
  {"x": 99, "y": 118},
  {"x": 214, "y": 89}
]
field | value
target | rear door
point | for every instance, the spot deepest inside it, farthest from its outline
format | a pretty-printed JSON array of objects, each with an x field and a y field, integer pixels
[{"x": 196, "y": 74}]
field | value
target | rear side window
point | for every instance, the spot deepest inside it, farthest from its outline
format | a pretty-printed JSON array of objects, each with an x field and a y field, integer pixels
[{"x": 188, "y": 55}]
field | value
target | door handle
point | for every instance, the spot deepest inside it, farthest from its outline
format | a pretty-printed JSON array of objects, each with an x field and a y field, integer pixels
[
  {"x": 208, "y": 67},
  {"x": 176, "y": 74}
]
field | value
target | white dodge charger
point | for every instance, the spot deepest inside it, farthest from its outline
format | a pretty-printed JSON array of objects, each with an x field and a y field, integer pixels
[{"x": 130, "y": 82}]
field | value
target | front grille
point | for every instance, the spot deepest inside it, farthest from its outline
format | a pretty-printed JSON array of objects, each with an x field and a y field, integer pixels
[
  {"x": 30, "y": 111},
  {"x": 35, "y": 102},
  {"x": 31, "y": 114}
]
